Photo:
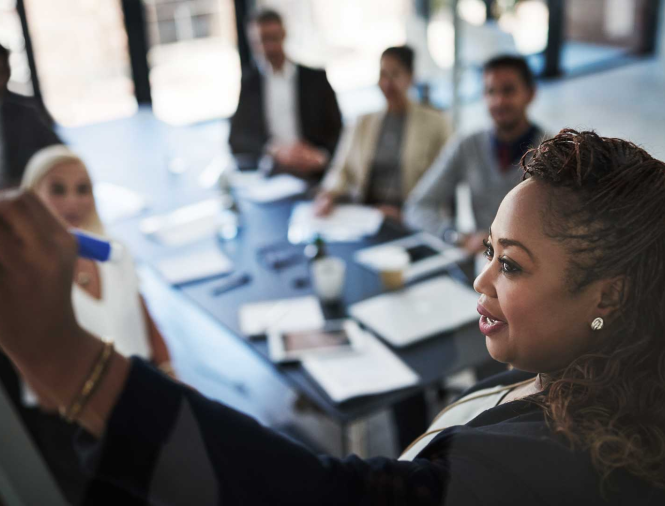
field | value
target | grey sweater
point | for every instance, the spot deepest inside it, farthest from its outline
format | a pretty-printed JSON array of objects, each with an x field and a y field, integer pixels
[{"x": 469, "y": 159}]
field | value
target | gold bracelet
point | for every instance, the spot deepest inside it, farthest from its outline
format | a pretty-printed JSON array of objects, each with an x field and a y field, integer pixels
[
  {"x": 74, "y": 410},
  {"x": 166, "y": 368}
]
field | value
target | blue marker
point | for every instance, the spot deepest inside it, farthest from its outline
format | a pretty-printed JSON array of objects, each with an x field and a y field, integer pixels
[{"x": 96, "y": 248}]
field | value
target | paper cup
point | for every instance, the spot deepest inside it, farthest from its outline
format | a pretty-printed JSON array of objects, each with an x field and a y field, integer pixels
[
  {"x": 392, "y": 263},
  {"x": 328, "y": 276}
]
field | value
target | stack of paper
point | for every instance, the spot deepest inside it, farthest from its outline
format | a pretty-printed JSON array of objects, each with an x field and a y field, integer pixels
[
  {"x": 418, "y": 312},
  {"x": 284, "y": 315},
  {"x": 346, "y": 223},
  {"x": 184, "y": 225},
  {"x": 190, "y": 267},
  {"x": 374, "y": 369},
  {"x": 272, "y": 189}
]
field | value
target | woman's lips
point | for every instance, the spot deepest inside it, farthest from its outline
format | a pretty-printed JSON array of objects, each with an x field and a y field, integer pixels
[{"x": 488, "y": 323}]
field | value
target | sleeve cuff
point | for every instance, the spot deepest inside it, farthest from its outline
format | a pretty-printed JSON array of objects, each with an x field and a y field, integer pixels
[{"x": 139, "y": 426}]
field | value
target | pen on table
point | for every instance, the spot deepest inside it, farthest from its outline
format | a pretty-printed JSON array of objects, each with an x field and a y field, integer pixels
[
  {"x": 97, "y": 248},
  {"x": 232, "y": 282}
]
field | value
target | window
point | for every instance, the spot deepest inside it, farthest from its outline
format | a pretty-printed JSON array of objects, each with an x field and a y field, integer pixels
[
  {"x": 81, "y": 55},
  {"x": 193, "y": 58},
  {"x": 11, "y": 37}
]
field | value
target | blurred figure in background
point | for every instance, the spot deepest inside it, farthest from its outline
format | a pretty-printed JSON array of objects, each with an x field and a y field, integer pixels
[
  {"x": 487, "y": 160},
  {"x": 286, "y": 110},
  {"x": 382, "y": 158},
  {"x": 24, "y": 129}
]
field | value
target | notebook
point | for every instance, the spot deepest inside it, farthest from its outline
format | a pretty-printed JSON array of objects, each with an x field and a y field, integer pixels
[
  {"x": 419, "y": 311},
  {"x": 197, "y": 266},
  {"x": 283, "y": 315}
]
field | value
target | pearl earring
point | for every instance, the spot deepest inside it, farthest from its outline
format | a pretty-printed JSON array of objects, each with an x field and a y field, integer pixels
[{"x": 597, "y": 324}]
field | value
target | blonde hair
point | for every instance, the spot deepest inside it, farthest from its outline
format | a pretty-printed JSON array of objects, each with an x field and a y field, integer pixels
[{"x": 45, "y": 160}]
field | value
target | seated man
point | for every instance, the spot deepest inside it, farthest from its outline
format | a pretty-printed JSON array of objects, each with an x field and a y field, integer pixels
[
  {"x": 286, "y": 110},
  {"x": 24, "y": 129},
  {"x": 487, "y": 160}
]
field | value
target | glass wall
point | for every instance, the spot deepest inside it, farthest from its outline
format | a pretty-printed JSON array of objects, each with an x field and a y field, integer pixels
[
  {"x": 81, "y": 54},
  {"x": 11, "y": 37},
  {"x": 347, "y": 37},
  {"x": 193, "y": 58},
  {"x": 600, "y": 31}
]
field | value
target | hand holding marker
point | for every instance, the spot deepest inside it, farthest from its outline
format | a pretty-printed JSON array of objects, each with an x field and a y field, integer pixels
[{"x": 96, "y": 248}]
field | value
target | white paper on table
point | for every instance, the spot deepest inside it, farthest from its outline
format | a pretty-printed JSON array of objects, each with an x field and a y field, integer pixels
[
  {"x": 115, "y": 203},
  {"x": 184, "y": 225},
  {"x": 373, "y": 369},
  {"x": 284, "y": 315},
  {"x": 185, "y": 268},
  {"x": 419, "y": 311},
  {"x": 272, "y": 189},
  {"x": 347, "y": 222}
]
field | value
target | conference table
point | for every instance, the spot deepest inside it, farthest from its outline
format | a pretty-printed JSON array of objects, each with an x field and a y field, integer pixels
[{"x": 264, "y": 227}]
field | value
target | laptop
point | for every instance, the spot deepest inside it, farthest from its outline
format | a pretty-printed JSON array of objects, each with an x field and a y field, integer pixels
[
  {"x": 24, "y": 478},
  {"x": 418, "y": 312}
]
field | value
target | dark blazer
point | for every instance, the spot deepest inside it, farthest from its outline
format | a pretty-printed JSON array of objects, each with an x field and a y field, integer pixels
[
  {"x": 183, "y": 443},
  {"x": 318, "y": 113},
  {"x": 54, "y": 438},
  {"x": 25, "y": 131}
]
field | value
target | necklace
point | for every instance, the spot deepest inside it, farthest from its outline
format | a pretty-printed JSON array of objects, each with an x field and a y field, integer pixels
[{"x": 83, "y": 278}]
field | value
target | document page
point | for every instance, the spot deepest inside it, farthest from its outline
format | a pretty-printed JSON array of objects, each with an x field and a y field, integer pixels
[
  {"x": 284, "y": 315},
  {"x": 373, "y": 369},
  {"x": 189, "y": 267},
  {"x": 348, "y": 222}
]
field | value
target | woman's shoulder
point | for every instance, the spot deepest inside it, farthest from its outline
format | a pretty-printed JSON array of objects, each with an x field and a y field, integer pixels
[
  {"x": 519, "y": 452},
  {"x": 427, "y": 113}
]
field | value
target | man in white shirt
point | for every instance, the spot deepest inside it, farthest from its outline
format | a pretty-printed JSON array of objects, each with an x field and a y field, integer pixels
[{"x": 286, "y": 110}]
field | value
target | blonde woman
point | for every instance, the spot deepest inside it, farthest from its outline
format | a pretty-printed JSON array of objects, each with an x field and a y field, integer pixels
[{"x": 105, "y": 295}]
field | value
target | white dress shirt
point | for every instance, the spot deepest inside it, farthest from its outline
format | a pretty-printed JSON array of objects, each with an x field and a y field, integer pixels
[
  {"x": 460, "y": 413},
  {"x": 281, "y": 104}
]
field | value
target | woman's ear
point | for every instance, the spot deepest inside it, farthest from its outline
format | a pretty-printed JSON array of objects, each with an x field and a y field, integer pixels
[{"x": 611, "y": 297}]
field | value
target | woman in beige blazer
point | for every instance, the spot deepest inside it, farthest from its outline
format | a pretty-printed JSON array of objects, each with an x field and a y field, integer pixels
[{"x": 381, "y": 158}]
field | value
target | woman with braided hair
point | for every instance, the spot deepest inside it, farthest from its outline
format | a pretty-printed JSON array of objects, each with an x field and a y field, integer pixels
[{"x": 572, "y": 297}]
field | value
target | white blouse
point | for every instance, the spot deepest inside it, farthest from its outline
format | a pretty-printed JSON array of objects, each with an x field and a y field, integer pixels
[
  {"x": 460, "y": 413},
  {"x": 117, "y": 316}
]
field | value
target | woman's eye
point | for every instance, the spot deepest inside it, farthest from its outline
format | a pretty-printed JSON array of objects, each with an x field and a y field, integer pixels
[
  {"x": 57, "y": 189},
  {"x": 489, "y": 251},
  {"x": 508, "y": 267}
]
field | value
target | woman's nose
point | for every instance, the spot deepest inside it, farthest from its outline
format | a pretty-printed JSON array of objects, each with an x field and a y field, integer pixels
[{"x": 484, "y": 282}]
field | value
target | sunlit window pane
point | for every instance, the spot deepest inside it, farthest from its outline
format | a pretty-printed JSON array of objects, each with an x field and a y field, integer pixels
[
  {"x": 344, "y": 36},
  {"x": 82, "y": 59},
  {"x": 193, "y": 58}
]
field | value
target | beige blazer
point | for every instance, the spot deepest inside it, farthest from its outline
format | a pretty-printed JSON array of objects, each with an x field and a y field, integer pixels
[{"x": 425, "y": 133}]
